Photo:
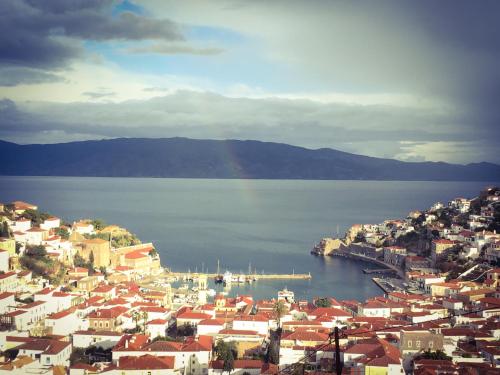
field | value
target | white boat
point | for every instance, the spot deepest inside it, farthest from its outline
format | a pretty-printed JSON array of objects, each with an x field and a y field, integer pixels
[
  {"x": 228, "y": 277},
  {"x": 286, "y": 295},
  {"x": 211, "y": 292}
]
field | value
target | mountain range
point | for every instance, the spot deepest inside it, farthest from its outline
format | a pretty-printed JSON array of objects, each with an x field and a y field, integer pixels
[{"x": 193, "y": 158}]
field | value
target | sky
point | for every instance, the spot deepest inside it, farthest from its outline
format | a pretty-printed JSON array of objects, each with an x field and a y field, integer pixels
[{"x": 410, "y": 80}]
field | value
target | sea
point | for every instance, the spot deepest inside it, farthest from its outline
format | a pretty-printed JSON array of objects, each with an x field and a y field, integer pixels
[{"x": 267, "y": 226}]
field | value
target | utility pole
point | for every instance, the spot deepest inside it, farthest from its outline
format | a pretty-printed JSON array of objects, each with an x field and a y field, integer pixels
[{"x": 338, "y": 364}]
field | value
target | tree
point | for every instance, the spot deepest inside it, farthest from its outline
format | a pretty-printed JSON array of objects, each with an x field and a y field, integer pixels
[
  {"x": 438, "y": 355},
  {"x": 279, "y": 309},
  {"x": 78, "y": 261},
  {"x": 98, "y": 224},
  {"x": 91, "y": 260},
  {"x": 35, "y": 216},
  {"x": 62, "y": 232},
  {"x": 226, "y": 352},
  {"x": 323, "y": 302},
  {"x": 5, "y": 230},
  {"x": 36, "y": 251}
]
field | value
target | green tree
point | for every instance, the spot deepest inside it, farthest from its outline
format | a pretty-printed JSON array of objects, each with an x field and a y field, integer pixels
[
  {"x": 227, "y": 353},
  {"x": 98, "y": 224},
  {"x": 438, "y": 355},
  {"x": 35, "y": 216},
  {"x": 36, "y": 251},
  {"x": 323, "y": 302},
  {"x": 91, "y": 260},
  {"x": 78, "y": 261},
  {"x": 62, "y": 232}
]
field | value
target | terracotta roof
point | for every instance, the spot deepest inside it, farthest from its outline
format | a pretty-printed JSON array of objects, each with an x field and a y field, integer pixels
[
  {"x": 238, "y": 332},
  {"x": 193, "y": 315},
  {"x": 146, "y": 362},
  {"x": 238, "y": 364},
  {"x": 45, "y": 346}
]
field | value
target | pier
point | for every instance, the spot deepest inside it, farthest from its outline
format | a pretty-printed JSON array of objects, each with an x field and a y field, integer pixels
[{"x": 257, "y": 276}]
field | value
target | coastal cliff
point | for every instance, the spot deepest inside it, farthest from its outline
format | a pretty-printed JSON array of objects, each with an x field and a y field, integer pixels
[{"x": 328, "y": 245}]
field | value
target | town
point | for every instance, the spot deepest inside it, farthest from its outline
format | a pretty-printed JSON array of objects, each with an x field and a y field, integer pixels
[{"x": 89, "y": 298}]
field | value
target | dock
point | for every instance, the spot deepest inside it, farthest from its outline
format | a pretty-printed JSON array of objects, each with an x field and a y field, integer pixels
[
  {"x": 257, "y": 276},
  {"x": 378, "y": 270}
]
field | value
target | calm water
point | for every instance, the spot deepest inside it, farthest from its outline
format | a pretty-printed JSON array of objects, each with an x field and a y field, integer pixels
[{"x": 270, "y": 224}]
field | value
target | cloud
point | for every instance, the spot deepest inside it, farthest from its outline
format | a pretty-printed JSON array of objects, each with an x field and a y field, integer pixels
[
  {"x": 384, "y": 131},
  {"x": 176, "y": 49},
  {"x": 48, "y": 34},
  {"x": 99, "y": 94},
  {"x": 13, "y": 76}
]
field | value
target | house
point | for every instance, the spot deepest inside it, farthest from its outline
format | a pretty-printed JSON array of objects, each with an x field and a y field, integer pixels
[
  {"x": 375, "y": 308},
  {"x": 19, "y": 207},
  {"x": 372, "y": 356},
  {"x": 6, "y": 301},
  {"x": 50, "y": 352},
  {"x": 83, "y": 227},
  {"x": 191, "y": 318},
  {"x": 258, "y": 323},
  {"x": 8, "y": 281},
  {"x": 36, "y": 235},
  {"x": 9, "y": 245},
  {"x": 65, "y": 322},
  {"x": 21, "y": 225},
  {"x": 107, "y": 319},
  {"x": 55, "y": 300},
  {"x": 413, "y": 341},
  {"x": 4, "y": 261},
  {"x": 107, "y": 292},
  {"x": 104, "y": 339},
  {"x": 78, "y": 272},
  {"x": 156, "y": 328},
  {"x": 243, "y": 340},
  {"x": 100, "y": 250},
  {"x": 241, "y": 366},
  {"x": 210, "y": 326},
  {"x": 36, "y": 311},
  {"x": 302, "y": 338},
  {"x": 191, "y": 356},
  {"x": 439, "y": 248},
  {"x": 17, "y": 320},
  {"x": 145, "y": 364},
  {"x": 51, "y": 223}
]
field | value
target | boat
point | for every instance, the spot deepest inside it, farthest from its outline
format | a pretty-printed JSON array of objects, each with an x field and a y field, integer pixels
[
  {"x": 286, "y": 295},
  {"x": 219, "y": 279},
  {"x": 227, "y": 278},
  {"x": 211, "y": 292}
]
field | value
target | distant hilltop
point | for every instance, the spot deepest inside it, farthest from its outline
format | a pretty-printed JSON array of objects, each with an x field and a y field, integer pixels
[{"x": 190, "y": 158}]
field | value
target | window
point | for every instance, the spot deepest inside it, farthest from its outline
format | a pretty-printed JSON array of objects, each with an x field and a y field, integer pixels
[
  {"x": 431, "y": 344},
  {"x": 409, "y": 343},
  {"x": 417, "y": 344}
]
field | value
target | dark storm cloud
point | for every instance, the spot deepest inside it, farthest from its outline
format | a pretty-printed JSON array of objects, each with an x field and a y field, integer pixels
[{"x": 48, "y": 34}]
